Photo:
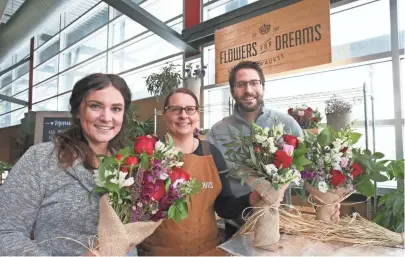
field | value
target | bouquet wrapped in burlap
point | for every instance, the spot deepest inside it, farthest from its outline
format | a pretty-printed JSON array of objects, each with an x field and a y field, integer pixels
[
  {"x": 338, "y": 169},
  {"x": 268, "y": 160},
  {"x": 116, "y": 238},
  {"x": 265, "y": 219},
  {"x": 140, "y": 187}
]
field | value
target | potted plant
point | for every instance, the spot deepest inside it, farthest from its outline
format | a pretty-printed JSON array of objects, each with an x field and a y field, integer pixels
[
  {"x": 161, "y": 84},
  {"x": 192, "y": 78},
  {"x": 391, "y": 206},
  {"x": 338, "y": 113},
  {"x": 307, "y": 118},
  {"x": 136, "y": 127}
]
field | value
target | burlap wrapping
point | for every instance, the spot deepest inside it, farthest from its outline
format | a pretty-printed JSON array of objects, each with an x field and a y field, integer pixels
[
  {"x": 115, "y": 238},
  {"x": 326, "y": 207},
  {"x": 265, "y": 220}
]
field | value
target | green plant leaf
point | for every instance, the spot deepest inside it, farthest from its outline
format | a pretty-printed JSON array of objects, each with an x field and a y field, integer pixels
[
  {"x": 168, "y": 182},
  {"x": 325, "y": 137},
  {"x": 378, "y": 155},
  {"x": 125, "y": 152},
  {"x": 378, "y": 177},
  {"x": 365, "y": 187},
  {"x": 144, "y": 161},
  {"x": 354, "y": 137}
]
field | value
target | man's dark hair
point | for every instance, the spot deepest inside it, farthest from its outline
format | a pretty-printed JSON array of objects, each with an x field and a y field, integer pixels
[{"x": 245, "y": 65}]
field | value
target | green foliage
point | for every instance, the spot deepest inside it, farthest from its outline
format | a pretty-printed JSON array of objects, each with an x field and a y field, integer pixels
[
  {"x": 164, "y": 82},
  {"x": 135, "y": 127},
  {"x": 391, "y": 213}
]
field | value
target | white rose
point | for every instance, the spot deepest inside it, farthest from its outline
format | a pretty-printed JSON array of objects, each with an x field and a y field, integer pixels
[
  {"x": 323, "y": 187},
  {"x": 279, "y": 129},
  {"x": 297, "y": 177},
  {"x": 271, "y": 169},
  {"x": 159, "y": 146}
]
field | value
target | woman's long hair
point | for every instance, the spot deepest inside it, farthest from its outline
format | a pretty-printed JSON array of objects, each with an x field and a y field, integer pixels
[{"x": 71, "y": 144}]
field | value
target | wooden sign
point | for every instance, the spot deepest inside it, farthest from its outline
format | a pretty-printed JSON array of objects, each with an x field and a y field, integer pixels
[{"x": 294, "y": 37}]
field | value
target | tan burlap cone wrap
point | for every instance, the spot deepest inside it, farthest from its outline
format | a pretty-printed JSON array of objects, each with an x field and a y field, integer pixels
[
  {"x": 115, "y": 238},
  {"x": 326, "y": 201},
  {"x": 265, "y": 219}
]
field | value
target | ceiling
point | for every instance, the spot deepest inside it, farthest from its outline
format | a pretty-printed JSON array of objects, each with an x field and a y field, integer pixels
[{"x": 8, "y": 8}]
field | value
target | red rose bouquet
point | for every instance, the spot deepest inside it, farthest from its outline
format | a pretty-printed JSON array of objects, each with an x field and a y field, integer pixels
[
  {"x": 268, "y": 160},
  {"x": 141, "y": 185},
  {"x": 306, "y": 116},
  {"x": 338, "y": 168}
]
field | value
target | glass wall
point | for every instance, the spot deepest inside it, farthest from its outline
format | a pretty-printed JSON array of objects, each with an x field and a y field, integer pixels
[{"x": 87, "y": 38}]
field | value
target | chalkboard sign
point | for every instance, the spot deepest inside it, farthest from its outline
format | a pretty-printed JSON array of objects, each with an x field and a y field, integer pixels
[{"x": 53, "y": 125}]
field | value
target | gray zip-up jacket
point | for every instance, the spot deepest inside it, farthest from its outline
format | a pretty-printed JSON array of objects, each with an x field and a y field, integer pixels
[{"x": 40, "y": 197}]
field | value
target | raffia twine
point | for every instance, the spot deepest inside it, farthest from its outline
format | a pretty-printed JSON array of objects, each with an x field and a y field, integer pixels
[
  {"x": 263, "y": 219},
  {"x": 351, "y": 230}
]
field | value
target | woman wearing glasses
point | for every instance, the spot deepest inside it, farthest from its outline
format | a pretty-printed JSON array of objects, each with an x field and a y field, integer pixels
[{"x": 198, "y": 234}]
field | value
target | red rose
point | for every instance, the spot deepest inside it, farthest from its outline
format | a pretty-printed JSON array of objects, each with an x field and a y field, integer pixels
[
  {"x": 356, "y": 170},
  {"x": 144, "y": 144},
  {"x": 337, "y": 178},
  {"x": 290, "y": 111},
  {"x": 309, "y": 110},
  {"x": 131, "y": 161},
  {"x": 291, "y": 140},
  {"x": 178, "y": 173},
  {"x": 159, "y": 190},
  {"x": 119, "y": 157},
  {"x": 124, "y": 169},
  {"x": 282, "y": 159}
]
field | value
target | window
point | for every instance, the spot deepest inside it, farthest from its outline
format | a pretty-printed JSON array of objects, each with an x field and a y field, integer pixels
[
  {"x": 6, "y": 79},
  {"x": 5, "y": 120},
  {"x": 401, "y": 21},
  {"x": 44, "y": 91},
  {"x": 137, "y": 80},
  {"x": 125, "y": 29},
  {"x": 357, "y": 32},
  {"x": 46, "y": 70},
  {"x": 48, "y": 105},
  {"x": 4, "y": 107},
  {"x": 63, "y": 102},
  {"x": 139, "y": 53},
  {"x": 67, "y": 80},
  {"x": 22, "y": 96},
  {"x": 20, "y": 84},
  {"x": 209, "y": 61},
  {"x": 7, "y": 63},
  {"x": 17, "y": 116},
  {"x": 6, "y": 90},
  {"x": 91, "y": 47},
  {"x": 22, "y": 53},
  {"x": 22, "y": 69},
  {"x": 216, "y": 105},
  {"x": 48, "y": 51},
  {"x": 49, "y": 32},
  {"x": 164, "y": 10},
  {"x": 78, "y": 10},
  {"x": 223, "y": 6},
  {"x": 82, "y": 29}
]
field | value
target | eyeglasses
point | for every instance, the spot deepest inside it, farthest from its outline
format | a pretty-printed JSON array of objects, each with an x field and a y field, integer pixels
[
  {"x": 255, "y": 83},
  {"x": 190, "y": 110}
]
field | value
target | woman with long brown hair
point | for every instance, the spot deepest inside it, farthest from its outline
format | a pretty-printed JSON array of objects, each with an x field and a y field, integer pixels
[{"x": 46, "y": 193}]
